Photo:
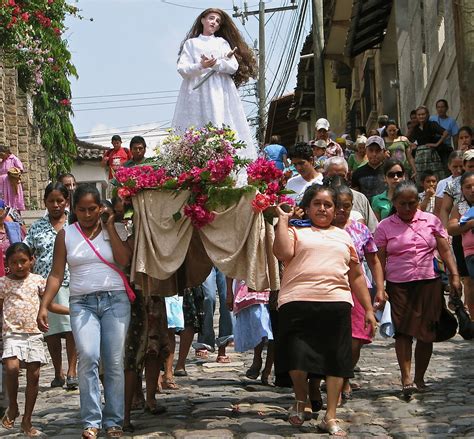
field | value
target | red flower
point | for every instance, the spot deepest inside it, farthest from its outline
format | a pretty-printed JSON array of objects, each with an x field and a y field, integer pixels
[
  {"x": 57, "y": 31},
  {"x": 199, "y": 215},
  {"x": 11, "y": 3},
  {"x": 25, "y": 17},
  {"x": 273, "y": 187},
  {"x": 12, "y": 22},
  {"x": 124, "y": 193},
  {"x": 65, "y": 102},
  {"x": 261, "y": 202},
  {"x": 16, "y": 10}
]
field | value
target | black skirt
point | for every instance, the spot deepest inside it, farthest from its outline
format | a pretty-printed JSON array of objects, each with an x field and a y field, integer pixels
[{"x": 315, "y": 337}]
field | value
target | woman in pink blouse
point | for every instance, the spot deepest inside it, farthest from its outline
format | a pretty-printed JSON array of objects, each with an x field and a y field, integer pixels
[
  {"x": 10, "y": 183},
  {"x": 407, "y": 241}
]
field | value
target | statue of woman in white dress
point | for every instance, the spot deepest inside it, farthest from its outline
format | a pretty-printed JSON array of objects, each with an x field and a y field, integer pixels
[{"x": 209, "y": 46}]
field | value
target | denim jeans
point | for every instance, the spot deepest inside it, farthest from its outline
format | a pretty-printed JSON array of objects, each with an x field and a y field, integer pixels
[
  {"x": 99, "y": 324},
  {"x": 215, "y": 283}
]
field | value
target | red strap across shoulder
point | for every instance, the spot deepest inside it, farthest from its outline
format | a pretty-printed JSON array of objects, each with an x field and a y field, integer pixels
[{"x": 128, "y": 288}]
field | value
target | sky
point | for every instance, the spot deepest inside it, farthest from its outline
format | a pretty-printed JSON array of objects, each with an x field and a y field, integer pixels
[{"x": 125, "y": 52}]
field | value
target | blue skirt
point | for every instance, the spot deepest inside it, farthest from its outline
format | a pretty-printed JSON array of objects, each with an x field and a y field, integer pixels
[{"x": 252, "y": 326}]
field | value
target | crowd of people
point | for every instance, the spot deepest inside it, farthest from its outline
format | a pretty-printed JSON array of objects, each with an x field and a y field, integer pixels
[
  {"x": 389, "y": 211},
  {"x": 383, "y": 222}
]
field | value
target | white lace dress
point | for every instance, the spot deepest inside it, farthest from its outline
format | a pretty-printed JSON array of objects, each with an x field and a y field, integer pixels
[{"x": 217, "y": 100}]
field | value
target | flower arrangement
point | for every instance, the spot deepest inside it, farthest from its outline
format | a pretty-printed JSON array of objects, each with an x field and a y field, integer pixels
[
  {"x": 203, "y": 161},
  {"x": 31, "y": 42}
]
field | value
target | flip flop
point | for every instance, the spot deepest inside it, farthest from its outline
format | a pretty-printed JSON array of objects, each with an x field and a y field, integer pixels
[
  {"x": 90, "y": 433},
  {"x": 223, "y": 359},
  {"x": 114, "y": 432},
  {"x": 408, "y": 390},
  {"x": 180, "y": 373},
  {"x": 202, "y": 353},
  {"x": 169, "y": 384},
  {"x": 32, "y": 432},
  {"x": 8, "y": 422}
]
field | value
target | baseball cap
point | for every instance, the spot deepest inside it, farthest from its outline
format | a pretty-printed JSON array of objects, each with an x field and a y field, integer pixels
[
  {"x": 377, "y": 140},
  {"x": 322, "y": 124},
  {"x": 360, "y": 140},
  {"x": 468, "y": 155},
  {"x": 319, "y": 144}
]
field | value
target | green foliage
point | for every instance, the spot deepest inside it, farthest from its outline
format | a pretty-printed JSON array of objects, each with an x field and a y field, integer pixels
[{"x": 30, "y": 39}]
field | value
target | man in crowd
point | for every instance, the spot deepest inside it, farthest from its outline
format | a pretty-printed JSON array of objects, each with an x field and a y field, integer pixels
[
  {"x": 115, "y": 157},
  {"x": 382, "y": 122},
  {"x": 369, "y": 178},
  {"x": 322, "y": 133},
  {"x": 138, "y": 150},
  {"x": 302, "y": 158},
  {"x": 276, "y": 152},
  {"x": 446, "y": 122}
]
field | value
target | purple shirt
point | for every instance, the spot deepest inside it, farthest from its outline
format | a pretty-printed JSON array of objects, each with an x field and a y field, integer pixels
[
  {"x": 363, "y": 242},
  {"x": 410, "y": 246}
]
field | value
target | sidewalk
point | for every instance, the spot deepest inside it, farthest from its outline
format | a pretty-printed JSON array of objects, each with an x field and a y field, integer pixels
[{"x": 217, "y": 400}]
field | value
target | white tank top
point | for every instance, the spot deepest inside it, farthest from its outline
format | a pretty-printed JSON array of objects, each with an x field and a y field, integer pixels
[{"x": 88, "y": 272}]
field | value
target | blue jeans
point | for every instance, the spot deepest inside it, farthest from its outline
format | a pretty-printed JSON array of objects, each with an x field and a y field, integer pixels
[
  {"x": 99, "y": 324},
  {"x": 215, "y": 283}
]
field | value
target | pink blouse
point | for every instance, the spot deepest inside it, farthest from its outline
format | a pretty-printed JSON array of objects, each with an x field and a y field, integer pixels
[{"x": 410, "y": 246}]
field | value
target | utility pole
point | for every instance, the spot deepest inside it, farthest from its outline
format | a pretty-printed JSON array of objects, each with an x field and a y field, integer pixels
[
  {"x": 261, "y": 73},
  {"x": 318, "y": 62},
  {"x": 261, "y": 56}
]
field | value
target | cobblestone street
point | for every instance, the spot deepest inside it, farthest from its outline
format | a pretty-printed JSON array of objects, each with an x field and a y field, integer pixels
[{"x": 217, "y": 400}]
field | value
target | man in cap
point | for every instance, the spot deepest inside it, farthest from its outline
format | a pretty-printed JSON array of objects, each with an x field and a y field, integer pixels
[
  {"x": 322, "y": 133},
  {"x": 369, "y": 178}
]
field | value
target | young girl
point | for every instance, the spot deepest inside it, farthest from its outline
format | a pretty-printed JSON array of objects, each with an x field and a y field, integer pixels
[
  {"x": 394, "y": 172},
  {"x": 466, "y": 228},
  {"x": 206, "y": 48},
  {"x": 455, "y": 166},
  {"x": 22, "y": 340}
]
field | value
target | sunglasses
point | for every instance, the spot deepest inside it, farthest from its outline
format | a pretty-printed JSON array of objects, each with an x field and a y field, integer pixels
[{"x": 398, "y": 174}]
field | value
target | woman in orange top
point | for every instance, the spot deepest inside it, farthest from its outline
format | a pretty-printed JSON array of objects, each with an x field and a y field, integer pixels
[{"x": 321, "y": 270}]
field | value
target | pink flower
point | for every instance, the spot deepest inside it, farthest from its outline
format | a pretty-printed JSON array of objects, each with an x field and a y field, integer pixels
[
  {"x": 25, "y": 17},
  {"x": 263, "y": 170},
  {"x": 286, "y": 200},
  {"x": 199, "y": 215},
  {"x": 273, "y": 187},
  {"x": 65, "y": 102},
  {"x": 220, "y": 168},
  {"x": 261, "y": 202},
  {"x": 124, "y": 193}
]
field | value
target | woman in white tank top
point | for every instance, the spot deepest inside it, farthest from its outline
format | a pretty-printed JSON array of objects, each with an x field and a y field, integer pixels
[{"x": 99, "y": 308}]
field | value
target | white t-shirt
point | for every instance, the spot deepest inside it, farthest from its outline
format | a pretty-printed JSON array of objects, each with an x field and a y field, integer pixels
[
  {"x": 441, "y": 186},
  {"x": 298, "y": 184}
]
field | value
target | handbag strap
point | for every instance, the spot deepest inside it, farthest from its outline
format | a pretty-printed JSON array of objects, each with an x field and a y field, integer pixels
[{"x": 130, "y": 293}]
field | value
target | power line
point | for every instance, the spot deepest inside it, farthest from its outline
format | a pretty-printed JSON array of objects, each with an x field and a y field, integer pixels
[
  {"x": 125, "y": 94},
  {"x": 132, "y": 126},
  {"x": 126, "y": 100},
  {"x": 129, "y": 106}
]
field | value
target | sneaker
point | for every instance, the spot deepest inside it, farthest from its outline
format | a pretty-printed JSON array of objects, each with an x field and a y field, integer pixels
[
  {"x": 72, "y": 383},
  {"x": 58, "y": 382}
]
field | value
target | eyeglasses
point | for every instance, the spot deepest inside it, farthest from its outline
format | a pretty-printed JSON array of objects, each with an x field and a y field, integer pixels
[{"x": 398, "y": 174}]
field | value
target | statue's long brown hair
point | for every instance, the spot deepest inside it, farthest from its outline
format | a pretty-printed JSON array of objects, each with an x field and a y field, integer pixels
[{"x": 227, "y": 30}]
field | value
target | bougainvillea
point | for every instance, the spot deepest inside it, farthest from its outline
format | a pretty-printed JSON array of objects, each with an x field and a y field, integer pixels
[
  {"x": 31, "y": 41},
  {"x": 209, "y": 176}
]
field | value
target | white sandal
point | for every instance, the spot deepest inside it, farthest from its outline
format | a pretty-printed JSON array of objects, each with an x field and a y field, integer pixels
[
  {"x": 334, "y": 429},
  {"x": 297, "y": 413}
]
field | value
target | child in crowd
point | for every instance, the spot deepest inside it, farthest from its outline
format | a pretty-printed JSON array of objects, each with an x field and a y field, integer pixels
[
  {"x": 319, "y": 151},
  {"x": 429, "y": 180},
  {"x": 461, "y": 223},
  {"x": 22, "y": 340}
]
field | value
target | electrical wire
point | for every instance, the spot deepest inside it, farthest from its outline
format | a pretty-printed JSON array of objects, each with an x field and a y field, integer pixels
[
  {"x": 126, "y": 107},
  {"x": 124, "y": 94},
  {"x": 125, "y": 100}
]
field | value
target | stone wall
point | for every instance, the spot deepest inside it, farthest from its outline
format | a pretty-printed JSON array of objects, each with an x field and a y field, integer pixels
[
  {"x": 427, "y": 61},
  {"x": 18, "y": 132}
]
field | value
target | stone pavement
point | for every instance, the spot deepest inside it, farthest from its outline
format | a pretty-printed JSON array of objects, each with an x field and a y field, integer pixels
[{"x": 217, "y": 400}]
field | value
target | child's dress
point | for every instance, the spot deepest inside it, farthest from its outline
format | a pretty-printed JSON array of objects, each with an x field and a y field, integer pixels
[{"x": 21, "y": 335}]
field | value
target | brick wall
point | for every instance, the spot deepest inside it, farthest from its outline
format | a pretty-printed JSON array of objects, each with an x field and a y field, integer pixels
[{"x": 18, "y": 132}]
